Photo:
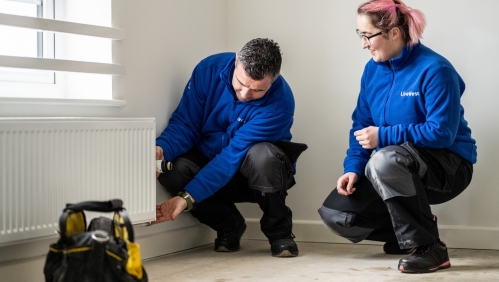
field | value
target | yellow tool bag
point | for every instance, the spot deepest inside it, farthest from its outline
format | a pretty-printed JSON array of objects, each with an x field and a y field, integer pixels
[{"x": 103, "y": 252}]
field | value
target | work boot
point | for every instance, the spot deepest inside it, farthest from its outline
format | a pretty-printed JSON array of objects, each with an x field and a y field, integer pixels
[
  {"x": 392, "y": 248},
  {"x": 425, "y": 259},
  {"x": 228, "y": 239},
  {"x": 284, "y": 247}
]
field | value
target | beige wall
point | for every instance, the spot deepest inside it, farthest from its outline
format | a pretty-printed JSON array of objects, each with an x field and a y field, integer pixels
[{"x": 323, "y": 62}]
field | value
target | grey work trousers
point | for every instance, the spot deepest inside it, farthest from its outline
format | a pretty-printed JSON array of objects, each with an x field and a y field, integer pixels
[{"x": 393, "y": 198}]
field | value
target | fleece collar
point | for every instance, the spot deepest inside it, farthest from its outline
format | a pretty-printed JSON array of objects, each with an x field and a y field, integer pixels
[{"x": 405, "y": 57}]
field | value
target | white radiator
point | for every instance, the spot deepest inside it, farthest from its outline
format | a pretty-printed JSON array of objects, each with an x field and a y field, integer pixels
[{"x": 48, "y": 162}]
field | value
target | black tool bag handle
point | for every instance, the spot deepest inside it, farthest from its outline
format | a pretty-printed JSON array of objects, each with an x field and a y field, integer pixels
[
  {"x": 114, "y": 205},
  {"x": 106, "y": 206}
]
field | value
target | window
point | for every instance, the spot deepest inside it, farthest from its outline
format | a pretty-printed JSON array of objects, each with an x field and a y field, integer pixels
[
  {"x": 65, "y": 53},
  {"x": 26, "y": 42}
]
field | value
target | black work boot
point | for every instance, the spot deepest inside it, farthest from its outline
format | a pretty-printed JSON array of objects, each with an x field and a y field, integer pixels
[
  {"x": 425, "y": 259},
  {"x": 229, "y": 237},
  {"x": 392, "y": 248},
  {"x": 284, "y": 247}
]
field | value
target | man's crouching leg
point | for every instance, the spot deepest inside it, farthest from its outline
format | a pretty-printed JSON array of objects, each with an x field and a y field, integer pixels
[
  {"x": 217, "y": 211},
  {"x": 270, "y": 174}
]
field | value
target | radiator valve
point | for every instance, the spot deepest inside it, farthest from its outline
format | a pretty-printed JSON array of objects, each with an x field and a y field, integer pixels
[{"x": 162, "y": 166}]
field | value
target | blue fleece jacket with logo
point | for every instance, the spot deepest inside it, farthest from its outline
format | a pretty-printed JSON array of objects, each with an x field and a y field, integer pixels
[
  {"x": 210, "y": 118},
  {"x": 415, "y": 97}
]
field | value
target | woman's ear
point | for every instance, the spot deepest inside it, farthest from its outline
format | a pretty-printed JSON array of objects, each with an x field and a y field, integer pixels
[{"x": 395, "y": 33}]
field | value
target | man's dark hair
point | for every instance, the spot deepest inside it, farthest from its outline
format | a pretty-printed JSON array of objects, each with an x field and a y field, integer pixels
[{"x": 261, "y": 57}]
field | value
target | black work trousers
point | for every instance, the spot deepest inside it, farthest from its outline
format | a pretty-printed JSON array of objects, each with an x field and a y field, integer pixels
[
  {"x": 393, "y": 198},
  {"x": 263, "y": 178}
]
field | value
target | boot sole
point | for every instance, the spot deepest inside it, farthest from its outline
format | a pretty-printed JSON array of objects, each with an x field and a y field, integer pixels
[
  {"x": 285, "y": 254},
  {"x": 223, "y": 249},
  {"x": 403, "y": 268}
]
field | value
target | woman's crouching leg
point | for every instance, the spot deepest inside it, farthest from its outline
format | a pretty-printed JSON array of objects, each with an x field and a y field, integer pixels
[{"x": 356, "y": 216}]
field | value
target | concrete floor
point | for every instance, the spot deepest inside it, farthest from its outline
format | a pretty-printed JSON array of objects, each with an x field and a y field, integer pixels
[{"x": 316, "y": 262}]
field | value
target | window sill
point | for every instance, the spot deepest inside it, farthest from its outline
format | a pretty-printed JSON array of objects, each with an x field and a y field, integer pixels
[{"x": 62, "y": 102}]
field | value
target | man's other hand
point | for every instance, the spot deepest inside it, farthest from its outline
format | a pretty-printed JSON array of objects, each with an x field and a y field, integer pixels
[{"x": 170, "y": 209}]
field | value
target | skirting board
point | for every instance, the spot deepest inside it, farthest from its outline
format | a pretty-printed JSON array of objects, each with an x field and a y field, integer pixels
[
  {"x": 461, "y": 237},
  {"x": 151, "y": 244},
  {"x": 25, "y": 262}
]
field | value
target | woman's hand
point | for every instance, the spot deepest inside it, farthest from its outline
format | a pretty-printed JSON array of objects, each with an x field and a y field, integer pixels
[
  {"x": 344, "y": 185},
  {"x": 367, "y": 137}
]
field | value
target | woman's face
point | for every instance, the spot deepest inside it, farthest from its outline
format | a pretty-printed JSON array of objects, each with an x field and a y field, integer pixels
[{"x": 382, "y": 47}]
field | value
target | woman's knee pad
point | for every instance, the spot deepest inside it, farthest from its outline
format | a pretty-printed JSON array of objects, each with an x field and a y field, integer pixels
[
  {"x": 341, "y": 224},
  {"x": 391, "y": 170}
]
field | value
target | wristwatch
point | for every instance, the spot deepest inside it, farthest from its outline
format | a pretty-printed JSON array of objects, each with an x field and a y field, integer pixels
[{"x": 187, "y": 198}]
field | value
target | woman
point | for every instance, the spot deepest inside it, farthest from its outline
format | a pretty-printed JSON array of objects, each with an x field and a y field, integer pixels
[{"x": 409, "y": 110}]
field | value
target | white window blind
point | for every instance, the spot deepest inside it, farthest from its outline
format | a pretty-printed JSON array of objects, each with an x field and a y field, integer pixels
[{"x": 69, "y": 57}]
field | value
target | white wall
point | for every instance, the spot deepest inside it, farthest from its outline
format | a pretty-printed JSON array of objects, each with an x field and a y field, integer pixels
[
  {"x": 323, "y": 62},
  {"x": 165, "y": 40}
]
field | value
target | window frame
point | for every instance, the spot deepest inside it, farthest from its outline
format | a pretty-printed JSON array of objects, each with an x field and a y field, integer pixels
[
  {"x": 58, "y": 65},
  {"x": 45, "y": 49}
]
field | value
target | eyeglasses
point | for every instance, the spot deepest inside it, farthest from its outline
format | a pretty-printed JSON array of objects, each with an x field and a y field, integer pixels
[{"x": 362, "y": 36}]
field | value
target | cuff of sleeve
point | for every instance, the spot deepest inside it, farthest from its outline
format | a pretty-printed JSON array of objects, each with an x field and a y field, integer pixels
[
  {"x": 195, "y": 191},
  {"x": 382, "y": 136}
]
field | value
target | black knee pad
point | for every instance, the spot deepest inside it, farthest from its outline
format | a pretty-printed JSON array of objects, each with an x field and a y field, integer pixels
[
  {"x": 267, "y": 168},
  {"x": 341, "y": 224},
  {"x": 262, "y": 154}
]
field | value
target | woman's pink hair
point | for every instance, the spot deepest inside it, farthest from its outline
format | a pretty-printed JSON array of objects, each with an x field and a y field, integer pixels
[{"x": 387, "y": 14}]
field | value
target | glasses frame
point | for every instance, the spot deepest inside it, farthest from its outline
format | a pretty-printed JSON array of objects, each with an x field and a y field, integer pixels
[{"x": 362, "y": 36}]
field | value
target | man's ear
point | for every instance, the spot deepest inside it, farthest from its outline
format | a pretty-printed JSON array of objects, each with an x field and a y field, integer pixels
[{"x": 235, "y": 63}]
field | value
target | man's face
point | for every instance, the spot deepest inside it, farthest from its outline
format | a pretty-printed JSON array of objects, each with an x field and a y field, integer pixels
[{"x": 248, "y": 89}]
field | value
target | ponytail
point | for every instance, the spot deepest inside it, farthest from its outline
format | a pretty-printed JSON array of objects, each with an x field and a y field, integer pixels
[{"x": 387, "y": 14}]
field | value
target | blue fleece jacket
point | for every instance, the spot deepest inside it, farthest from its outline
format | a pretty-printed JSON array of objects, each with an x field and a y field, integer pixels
[
  {"x": 415, "y": 97},
  {"x": 211, "y": 119}
]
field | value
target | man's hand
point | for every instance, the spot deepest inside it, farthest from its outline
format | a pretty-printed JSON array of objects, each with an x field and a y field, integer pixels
[
  {"x": 170, "y": 209},
  {"x": 160, "y": 155},
  {"x": 367, "y": 137},
  {"x": 344, "y": 185}
]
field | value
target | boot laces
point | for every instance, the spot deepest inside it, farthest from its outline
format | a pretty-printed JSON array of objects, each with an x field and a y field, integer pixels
[{"x": 424, "y": 249}]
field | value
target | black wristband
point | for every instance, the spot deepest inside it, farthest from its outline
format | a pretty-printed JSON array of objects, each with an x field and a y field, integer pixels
[{"x": 187, "y": 198}]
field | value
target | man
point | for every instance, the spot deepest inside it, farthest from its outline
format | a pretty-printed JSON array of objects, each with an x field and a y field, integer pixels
[{"x": 225, "y": 142}]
